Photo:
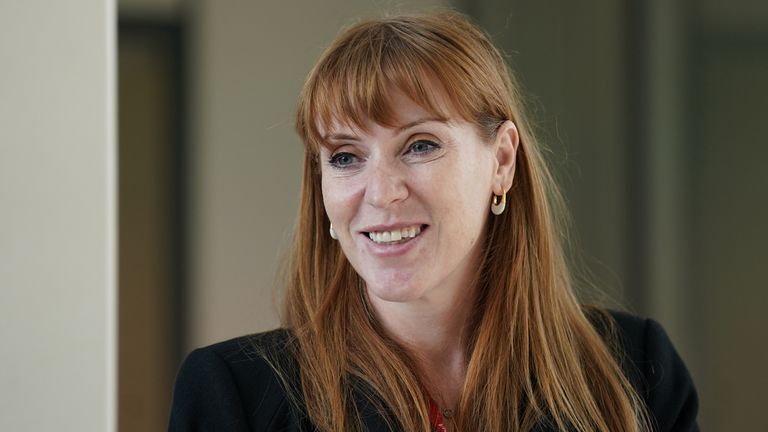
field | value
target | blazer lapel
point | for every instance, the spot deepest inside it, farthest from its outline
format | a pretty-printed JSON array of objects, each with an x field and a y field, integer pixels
[{"x": 372, "y": 417}]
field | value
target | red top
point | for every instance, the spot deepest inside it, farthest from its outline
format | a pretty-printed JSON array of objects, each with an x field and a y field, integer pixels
[{"x": 436, "y": 417}]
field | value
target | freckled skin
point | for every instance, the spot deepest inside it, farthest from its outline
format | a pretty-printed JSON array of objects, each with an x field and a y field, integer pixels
[{"x": 381, "y": 177}]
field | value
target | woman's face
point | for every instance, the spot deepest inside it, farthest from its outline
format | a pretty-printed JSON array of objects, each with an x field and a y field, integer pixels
[{"x": 409, "y": 204}]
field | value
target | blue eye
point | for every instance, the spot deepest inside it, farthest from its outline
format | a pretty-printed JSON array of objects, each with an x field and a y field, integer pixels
[
  {"x": 342, "y": 160},
  {"x": 423, "y": 146}
]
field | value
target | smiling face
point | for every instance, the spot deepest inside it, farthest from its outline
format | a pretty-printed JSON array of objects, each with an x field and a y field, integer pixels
[{"x": 410, "y": 203}]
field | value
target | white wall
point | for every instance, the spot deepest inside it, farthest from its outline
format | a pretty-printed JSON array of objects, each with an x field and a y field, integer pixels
[
  {"x": 57, "y": 216},
  {"x": 249, "y": 62}
]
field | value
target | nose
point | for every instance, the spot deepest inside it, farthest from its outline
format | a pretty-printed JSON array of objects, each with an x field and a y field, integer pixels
[{"x": 386, "y": 185}]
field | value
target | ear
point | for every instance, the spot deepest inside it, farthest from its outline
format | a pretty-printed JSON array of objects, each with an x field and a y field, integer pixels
[{"x": 505, "y": 147}]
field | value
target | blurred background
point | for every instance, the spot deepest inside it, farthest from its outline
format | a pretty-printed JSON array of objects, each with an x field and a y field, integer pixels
[{"x": 654, "y": 112}]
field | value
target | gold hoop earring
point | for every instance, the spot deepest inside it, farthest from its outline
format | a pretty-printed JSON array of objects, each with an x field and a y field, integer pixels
[
  {"x": 498, "y": 203},
  {"x": 333, "y": 233}
]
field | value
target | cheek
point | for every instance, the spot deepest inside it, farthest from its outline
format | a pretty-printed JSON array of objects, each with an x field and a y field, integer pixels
[
  {"x": 466, "y": 219},
  {"x": 332, "y": 201},
  {"x": 468, "y": 200},
  {"x": 470, "y": 180},
  {"x": 339, "y": 199}
]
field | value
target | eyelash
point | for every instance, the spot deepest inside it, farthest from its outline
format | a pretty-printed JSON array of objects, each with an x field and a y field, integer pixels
[
  {"x": 432, "y": 146},
  {"x": 334, "y": 159}
]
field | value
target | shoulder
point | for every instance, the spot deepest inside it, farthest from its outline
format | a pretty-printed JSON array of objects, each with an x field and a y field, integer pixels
[
  {"x": 655, "y": 369},
  {"x": 233, "y": 385}
]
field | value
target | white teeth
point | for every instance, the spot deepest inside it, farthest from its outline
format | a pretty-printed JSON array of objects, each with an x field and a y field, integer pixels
[{"x": 394, "y": 236}]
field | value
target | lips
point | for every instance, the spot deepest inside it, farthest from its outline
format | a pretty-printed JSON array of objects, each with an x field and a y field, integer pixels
[{"x": 377, "y": 243}]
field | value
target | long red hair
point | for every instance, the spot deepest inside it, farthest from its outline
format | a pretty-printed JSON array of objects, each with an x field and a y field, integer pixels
[{"x": 533, "y": 354}]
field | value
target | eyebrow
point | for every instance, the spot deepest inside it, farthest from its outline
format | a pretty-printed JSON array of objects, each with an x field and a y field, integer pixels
[
  {"x": 420, "y": 121},
  {"x": 401, "y": 129},
  {"x": 342, "y": 137}
]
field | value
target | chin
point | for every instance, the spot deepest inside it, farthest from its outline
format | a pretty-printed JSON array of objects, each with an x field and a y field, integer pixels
[
  {"x": 392, "y": 296},
  {"x": 394, "y": 290}
]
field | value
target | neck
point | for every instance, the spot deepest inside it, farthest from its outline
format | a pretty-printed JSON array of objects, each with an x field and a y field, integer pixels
[{"x": 433, "y": 329}]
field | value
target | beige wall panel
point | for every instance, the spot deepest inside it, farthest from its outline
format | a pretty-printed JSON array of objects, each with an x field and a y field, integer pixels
[{"x": 57, "y": 216}]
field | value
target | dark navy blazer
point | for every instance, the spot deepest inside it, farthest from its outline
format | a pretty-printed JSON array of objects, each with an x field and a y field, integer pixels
[{"x": 230, "y": 387}]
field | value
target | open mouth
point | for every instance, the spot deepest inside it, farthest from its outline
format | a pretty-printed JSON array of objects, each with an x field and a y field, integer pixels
[{"x": 397, "y": 236}]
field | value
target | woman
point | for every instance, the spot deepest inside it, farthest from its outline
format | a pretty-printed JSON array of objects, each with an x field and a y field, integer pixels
[{"x": 427, "y": 288}]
